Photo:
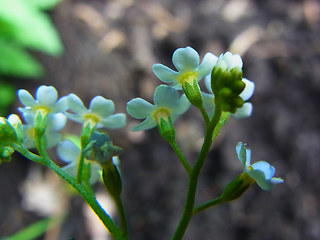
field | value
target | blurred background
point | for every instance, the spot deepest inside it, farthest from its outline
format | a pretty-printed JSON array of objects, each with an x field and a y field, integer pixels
[{"x": 108, "y": 47}]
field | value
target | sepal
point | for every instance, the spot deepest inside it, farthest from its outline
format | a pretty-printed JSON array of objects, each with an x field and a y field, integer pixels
[
  {"x": 193, "y": 93},
  {"x": 166, "y": 130},
  {"x": 111, "y": 179},
  {"x": 5, "y": 154}
]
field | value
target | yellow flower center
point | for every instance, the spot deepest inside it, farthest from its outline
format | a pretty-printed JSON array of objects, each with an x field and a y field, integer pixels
[
  {"x": 31, "y": 133},
  {"x": 187, "y": 77},
  {"x": 42, "y": 109},
  {"x": 250, "y": 168},
  {"x": 93, "y": 119},
  {"x": 161, "y": 112}
]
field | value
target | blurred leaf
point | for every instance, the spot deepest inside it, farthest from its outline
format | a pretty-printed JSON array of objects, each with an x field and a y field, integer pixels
[
  {"x": 7, "y": 96},
  {"x": 43, "y": 4},
  {"x": 35, "y": 230},
  {"x": 23, "y": 23},
  {"x": 15, "y": 61}
]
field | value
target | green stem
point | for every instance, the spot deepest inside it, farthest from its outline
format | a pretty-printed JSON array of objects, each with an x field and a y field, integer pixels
[
  {"x": 223, "y": 119},
  {"x": 204, "y": 115},
  {"x": 207, "y": 205},
  {"x": 194, "y": 175},
  {"x": 122, "y": 216},
  {"x": 180, "y": 155}
]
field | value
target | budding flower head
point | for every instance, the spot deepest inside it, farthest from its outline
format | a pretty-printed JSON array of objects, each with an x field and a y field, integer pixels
[
  {"x": 167, "y": 104},
  {"x": 7, "y": 132},
  {"x": 5, "y": 153}
]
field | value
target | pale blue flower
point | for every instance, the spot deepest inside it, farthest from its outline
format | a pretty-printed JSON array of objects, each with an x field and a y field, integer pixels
[
  {"x": 227, "y": 61},
  {"x": 167, "y": 103},
  {"x": 55, "y": 123},
  {"x": 70, "y": 153},
  {"x": 46, "y": 101},
  {"x": 186, "y": 60},
  {"x": 262, "y": 172},
  {"x": 100, "y": 112}
]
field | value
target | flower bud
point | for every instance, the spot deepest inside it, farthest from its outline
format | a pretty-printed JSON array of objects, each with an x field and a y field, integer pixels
[
  {"x": 111, "y": 179},
  {"x": 7, "y": 132},
  {"x": 193, "y": 93},
  {"x": 5, "y": 154},
  {"x": 166, "y": 130}
]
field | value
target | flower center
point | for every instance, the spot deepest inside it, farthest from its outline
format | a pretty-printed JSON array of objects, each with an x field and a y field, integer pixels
[
  {"x": 250, "y": 168},
  {"x": 42, "y": 109},
  {"x": 91, "y": 118},
  {"x": 188, "y": 77},
  {"x": 161, "y": 112}
]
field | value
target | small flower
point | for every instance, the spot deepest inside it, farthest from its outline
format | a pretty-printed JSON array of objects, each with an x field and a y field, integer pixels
[
  {"x": 55, "y": 123},
  {"x": 167, "y": 104},
  {"x": 262, "y": 172},
  {"x": 242, "y": 112},
  {"x": 45, "y": 102},
  {"x": 99, "y": 114},
  {"x": 70, "y": 153},
  {"x": 186, "y": 60}
]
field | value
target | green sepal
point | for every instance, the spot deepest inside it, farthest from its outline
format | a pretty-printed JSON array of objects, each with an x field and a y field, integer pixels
[
  {"x": 5, "y": 154},
  {"x": 166, "y": 130},
  {"x": 7, "y": 132},
  {"x": 193, "y": 93},
  {"x": 237, "y": 187},
  {"x": 40, "y": 123},
  {"x": 112, "y": 179}
]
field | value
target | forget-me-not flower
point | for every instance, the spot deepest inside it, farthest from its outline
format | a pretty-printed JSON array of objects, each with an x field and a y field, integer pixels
[
  {"x": 167, "y": 104},
  {"x": 70, "y": 153},
  {"x": 46, "y": 101},
  {"x": 262, "y": 172},
  {"x": 100, "y": 112},
  {"x": 186, "y": 60}
]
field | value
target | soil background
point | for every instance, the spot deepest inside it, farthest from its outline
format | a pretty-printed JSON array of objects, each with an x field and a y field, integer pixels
[{"x": 110, "y": 47}]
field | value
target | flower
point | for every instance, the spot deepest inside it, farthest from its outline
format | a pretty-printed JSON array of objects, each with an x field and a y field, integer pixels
[
  {"x": 167, "y": 104},
  {"x": 55, "y": 123},
  {"x": 262, "y": 172},
  {"x": 70, "y": 153},
  {"x": 46, "y": 101},
  {"x": 229, "y": 61},
  {"x": 99, "y": 114},
  {"x": 242, "y": 112},
  {"x": 186, "y": 60}
]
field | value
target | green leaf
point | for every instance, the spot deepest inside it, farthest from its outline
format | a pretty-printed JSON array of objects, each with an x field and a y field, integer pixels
[
  {"x": 15, "y": 61},
  {"x": 43, "y": 4},
  {"x": 23, "y": 23},
  {"x": 7, "y": 94},
  {"x": 35, "y": 230}
]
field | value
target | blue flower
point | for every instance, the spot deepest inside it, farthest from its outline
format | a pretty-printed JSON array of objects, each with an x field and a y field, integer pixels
[
  {"x": 262, "y": 172},
  {"x": 100, "y": 112},
  {"x": 46, "y": 101},
  {"x": 70, "y": 153},
  {"x": 167, "y": 104},
  {"x": 186, "y": 60}
]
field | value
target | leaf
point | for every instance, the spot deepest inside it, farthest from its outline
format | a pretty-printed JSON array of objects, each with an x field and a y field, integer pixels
[
  {"x": 43, "y": 4},
  {"x": 15, "y": 61},
  {"x": 23, "y": 23},
  {"x": 7, "y": 96}
]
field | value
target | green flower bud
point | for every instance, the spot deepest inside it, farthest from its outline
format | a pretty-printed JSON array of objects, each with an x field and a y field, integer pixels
[
  {"x": 112, "y": 179},
  {"x": 7, "y": 132},
  {"x": 166, "y": 130},
  {"x": 237, "y": 187},
  {"x": 5, "y": 154},
  {"x": 193, "y": 93}
]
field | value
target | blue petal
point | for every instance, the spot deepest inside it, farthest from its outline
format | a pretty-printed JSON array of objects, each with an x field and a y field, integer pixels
[
  {"x": 181, "y": 106},
  {"x": 207, "y": 82},
  {"x": 145, "y": 125},
  {"x": 101, "y": 106},
  {"x": 26, "y": 98},
  {"x": 56, "y": 121},
  {"x": 47, "y": 95},
  {"x": 68, "y": 151},
  {"x": 53, "y": 139},
  {"x": 264, "y": 167},
  {"x": 75, "y": 117},
  {"x": 185, "y": 59},
  {"x": 248, "y": 90},
  {"x": 165, "y": 96},
  {"x": 244, "y": 154},
  {"x": 207, "y": 65},
  {"x": 114, "y": 121},
  {"x": 276, "y": 180},
  {"x": 208, "y": 101},
  {"x": 61, "y": 105},
  {"x": 139, "y": 108},
  {"x": 164, "y": 73},
  {"x": 244, "y": 111},
  {"x": 76, "y": 105},
  {"x": 260, "y": 179}
]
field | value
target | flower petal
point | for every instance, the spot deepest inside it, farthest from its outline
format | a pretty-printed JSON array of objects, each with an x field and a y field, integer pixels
[
  {"x": 248, "y": 90},
  {"x": 68, "y": 151},
  {"x": 61, "y": 105},
  {"x": 76, "y": 105},
  {"x": 101, "y": 106},
  {"x": 208, "y": 100},
  {"x": 114, "y": 121},
  {"x": 165, "y": 96},
  {"x": 181, "y": 105},
  {"x": 164, "y": 73},
  {"x": 145, "y": 125},
  {"x": 260, "y": 178},
  {"x": 185, "y": 59},
  {"x": 56, "y": 121},
  {"x": 244, "y": 154},
  {"x": 244, "y": 111},
  {"x": 231, "y": 60},
  {"x": 207, "y": 65},
  {"x": 139, "y": 108},
  {"x": 26, "y": 98},
  {"x": 207, "y": 82},
  {"x": 264, "y": 167},
  {"x": 47, "y": 95}
]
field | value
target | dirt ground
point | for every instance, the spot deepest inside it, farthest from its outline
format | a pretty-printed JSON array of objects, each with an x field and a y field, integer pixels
[{"x": 110, "y": 47}]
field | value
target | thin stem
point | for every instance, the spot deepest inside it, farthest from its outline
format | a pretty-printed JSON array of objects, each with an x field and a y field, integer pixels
[
  {"x": 122, "y": 216},
  {"x": 207, "y": 205},
  {"x": 194, "y": 175},
  {"x": 180, "y": 155},
  {"x": 204, "y": 115},
  {"x": 223, "y": 119}
]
